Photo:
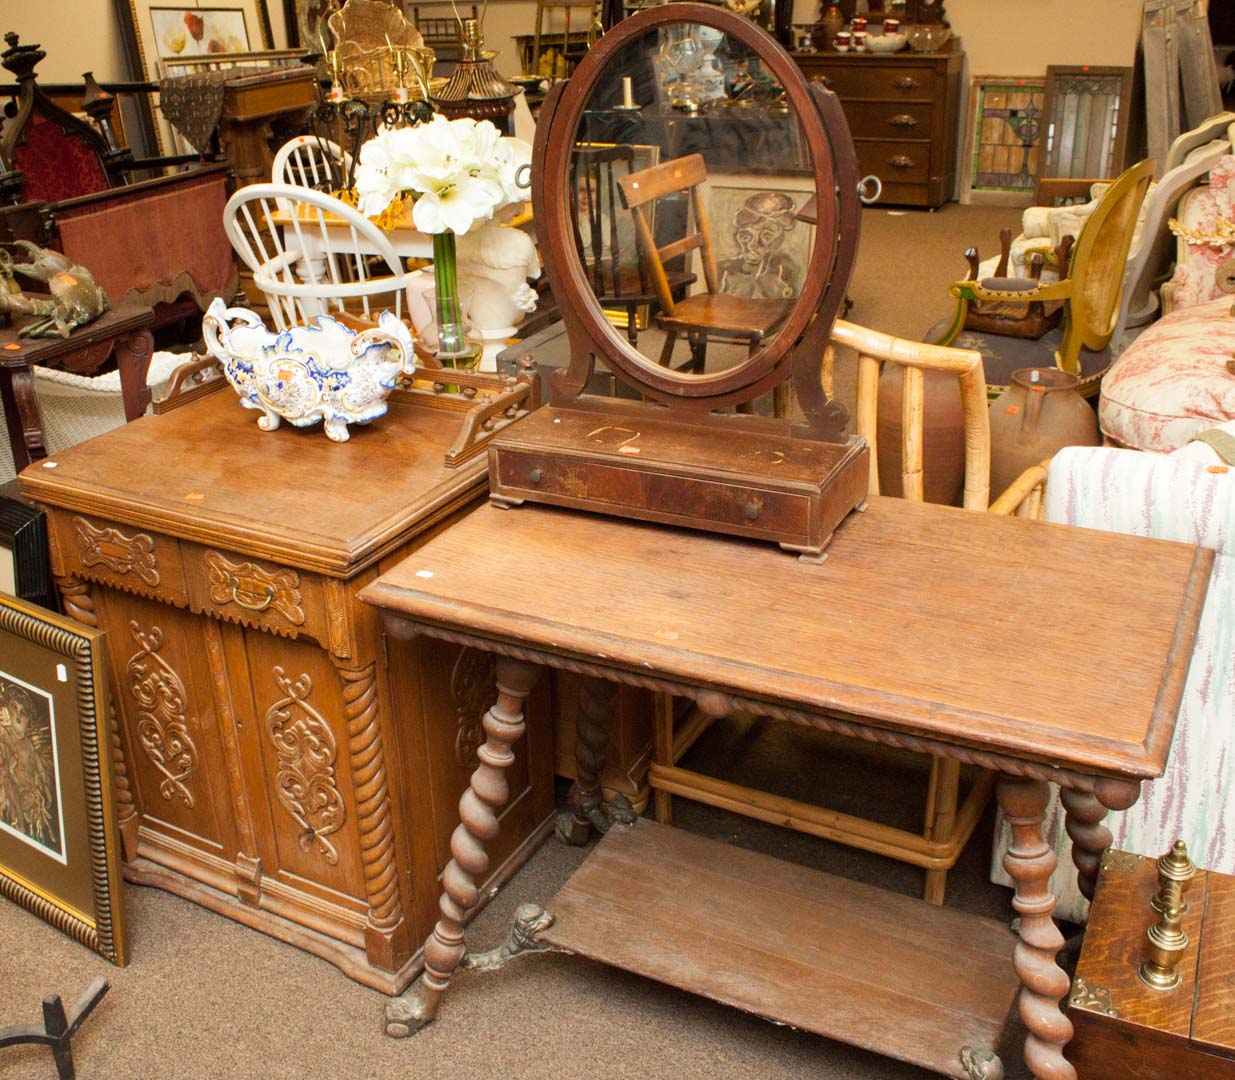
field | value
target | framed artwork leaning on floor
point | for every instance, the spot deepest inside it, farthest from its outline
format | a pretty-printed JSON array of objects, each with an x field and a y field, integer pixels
[{"x": 59, "y": 842}]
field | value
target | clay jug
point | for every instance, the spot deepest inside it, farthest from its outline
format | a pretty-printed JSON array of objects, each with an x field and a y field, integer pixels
[
  {"x": 830, "y": 25},
  {"x": 1038, "y": 415},
  {"x": 943, "y": 435}
]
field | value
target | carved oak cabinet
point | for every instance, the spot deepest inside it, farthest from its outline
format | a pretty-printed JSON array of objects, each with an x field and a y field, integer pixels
[{"x": 274, "y": 758}]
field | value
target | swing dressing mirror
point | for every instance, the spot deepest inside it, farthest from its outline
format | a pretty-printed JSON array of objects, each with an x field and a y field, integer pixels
[{"x": 697, "y": 204}]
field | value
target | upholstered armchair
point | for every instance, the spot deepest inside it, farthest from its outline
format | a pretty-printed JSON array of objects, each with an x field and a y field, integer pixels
[
  {"x": 1089, "y": 288},
  {"x": 175, "y": 257},
  {"x": 1188, "y": 497}
]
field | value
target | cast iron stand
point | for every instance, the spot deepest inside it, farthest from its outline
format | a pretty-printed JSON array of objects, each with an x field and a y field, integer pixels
[{"x": 56, "y": 1029}]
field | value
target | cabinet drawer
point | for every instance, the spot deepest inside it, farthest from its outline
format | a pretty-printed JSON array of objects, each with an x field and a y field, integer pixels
[
  {"x": 125, "y": 556},
  {"x": 889, "y": 119},
  {"x": 568, "y": 483},
  {"x": 894, "y": 162},
  {"x": 256, "y": 593},
  {"x": 878, "y": 83}
]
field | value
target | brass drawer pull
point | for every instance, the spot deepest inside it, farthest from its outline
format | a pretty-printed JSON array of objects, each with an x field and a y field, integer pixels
[
  {"x": 823, "y": 79},
  {"x": 535, "y": 476},
  {"x": 907, "y": 83},
  {"x": 752, "y": 511},
  {"x": 260, "y": 606},
  {"x": 901, "y": 162},
  {"x": 903, "y": 120}
]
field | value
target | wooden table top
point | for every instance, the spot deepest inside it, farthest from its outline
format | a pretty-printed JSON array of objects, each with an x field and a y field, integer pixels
[
  {"x": 1060, "y": 645},
  {"x": 17, "y": 351},
  {"x": 206, "y": 472}
]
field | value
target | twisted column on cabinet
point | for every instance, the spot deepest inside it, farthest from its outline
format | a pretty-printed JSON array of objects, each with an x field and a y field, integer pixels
[
  {"x": 486, "y": 794},
  {"x": 1030, "y": 862},
  {"x": 78, "y": 599},
  {"x": 368, "y": 764}
]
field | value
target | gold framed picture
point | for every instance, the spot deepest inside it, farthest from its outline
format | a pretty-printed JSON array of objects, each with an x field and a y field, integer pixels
[
  {"x": 157, "y": 33},
  {"x": 59, "y": 841}
]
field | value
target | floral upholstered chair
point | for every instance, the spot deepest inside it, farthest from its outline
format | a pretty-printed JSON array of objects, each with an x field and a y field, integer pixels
[{"x": 1190, "y": 498}]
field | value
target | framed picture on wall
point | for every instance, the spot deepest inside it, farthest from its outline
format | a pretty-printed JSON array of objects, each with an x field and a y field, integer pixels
[
  {"x": 59, "y": 840},
  {"x": 25, "y": 571},
  {"x": 158, "y": 32}
]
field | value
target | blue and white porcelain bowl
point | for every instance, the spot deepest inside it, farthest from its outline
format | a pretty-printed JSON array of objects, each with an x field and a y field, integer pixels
[{"x": 321, "y": 371}]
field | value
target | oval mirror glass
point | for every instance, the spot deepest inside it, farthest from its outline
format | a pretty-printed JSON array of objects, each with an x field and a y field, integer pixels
[{"x": 689, "y": 173}]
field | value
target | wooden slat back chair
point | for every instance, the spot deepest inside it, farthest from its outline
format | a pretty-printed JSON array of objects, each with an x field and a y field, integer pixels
[
  {"x": 711, "y": 315},
  {"x": 619, "y": 278},
  {"x": 1089, "y": 287},
  {"x": 542, "y": 41},
  {"x": 442, "y": 34},
  {"x": 947, "y": 825},
  {"x": 309, "y": 162},
  {"x": 311, "y": 254}
]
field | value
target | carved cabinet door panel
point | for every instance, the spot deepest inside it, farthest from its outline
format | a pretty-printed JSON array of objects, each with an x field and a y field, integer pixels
[
  {"x": 297, "y": 753},
  {"x": 455, "y": 687},
  {"x": 174, "y": 754}
]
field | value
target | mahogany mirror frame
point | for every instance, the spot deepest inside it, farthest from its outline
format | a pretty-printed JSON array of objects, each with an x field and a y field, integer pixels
[{"x": 797, "y": 347}]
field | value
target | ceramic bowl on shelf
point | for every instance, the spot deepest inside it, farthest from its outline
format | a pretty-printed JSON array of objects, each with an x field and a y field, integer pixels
[
  {"x": 886, "y": 43},
  {"x": 322, "y": 371}
]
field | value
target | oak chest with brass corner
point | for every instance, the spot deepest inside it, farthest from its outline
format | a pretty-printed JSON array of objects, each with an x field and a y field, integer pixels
[
  {"x": 278, "y": 759},
  {"x": 1127, "y": 1029}
]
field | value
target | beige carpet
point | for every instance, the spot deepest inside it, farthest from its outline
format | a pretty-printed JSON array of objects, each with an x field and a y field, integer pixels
[{"x": 205, "y": 997}]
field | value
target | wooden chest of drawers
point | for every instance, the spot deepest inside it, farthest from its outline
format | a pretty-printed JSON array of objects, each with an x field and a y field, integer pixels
[
  {"x": 902, "y": 110},
  {"x": 277, "y": 760}
]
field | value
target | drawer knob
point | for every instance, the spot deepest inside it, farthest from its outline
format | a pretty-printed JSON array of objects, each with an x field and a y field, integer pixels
[
  {"x": 903, "y": 120},
  {"x": 752, "y": 511},
  {"x": 907, "y": 83},
  {"x": 823, "y": 79},
  {"x": 261, "y": 605},
  {"x": 901, "y": 162},
  {"x": 535, "y": 476}
]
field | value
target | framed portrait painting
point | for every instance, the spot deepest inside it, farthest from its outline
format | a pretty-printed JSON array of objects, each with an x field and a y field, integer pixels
[
  {"x": 762, "y": 248},
  {"x": 59, "y": 840}
]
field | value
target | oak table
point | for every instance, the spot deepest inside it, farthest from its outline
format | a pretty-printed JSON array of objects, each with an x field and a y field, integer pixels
[
  {"x": 1043, "y": 652},
  {"x": 273, "y": 761}
]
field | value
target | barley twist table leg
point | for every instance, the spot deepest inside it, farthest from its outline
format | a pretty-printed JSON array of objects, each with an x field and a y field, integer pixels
[
  {"x": 1090, "y": 838},
  {"x": 487, "y": 793},
  {"x": 586, "y": 812},
  {"x": 1029, "y": 862}
]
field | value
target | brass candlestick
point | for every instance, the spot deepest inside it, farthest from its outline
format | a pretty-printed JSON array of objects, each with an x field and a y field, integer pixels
[
  {"x": 1174, "y": 866},
  {"x": 1167, "y": 939}
]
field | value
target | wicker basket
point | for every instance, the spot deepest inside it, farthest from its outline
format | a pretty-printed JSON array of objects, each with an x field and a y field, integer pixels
[{"x": 77, "y": 407}]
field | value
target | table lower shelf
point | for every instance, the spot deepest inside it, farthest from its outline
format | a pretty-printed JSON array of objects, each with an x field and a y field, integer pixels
[{"x": 882, "y": 971}]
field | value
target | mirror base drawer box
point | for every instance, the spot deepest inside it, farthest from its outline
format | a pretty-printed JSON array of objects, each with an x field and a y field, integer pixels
[{"x": 652, "y": 470}]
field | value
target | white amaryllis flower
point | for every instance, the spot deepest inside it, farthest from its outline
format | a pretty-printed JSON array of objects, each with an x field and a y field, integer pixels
[
  {"x": 460, "y": 172},
  {"x": 375, "y": 183},
  {"x": 456, "y": 204}
]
